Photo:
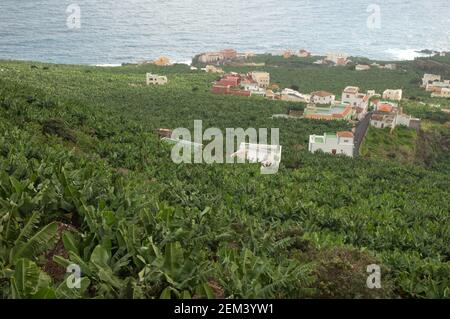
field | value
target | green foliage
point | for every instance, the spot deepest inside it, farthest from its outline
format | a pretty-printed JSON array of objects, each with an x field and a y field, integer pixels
[
  {"x": 29, "y": 281},
  {"x": 399, "y": 144}
]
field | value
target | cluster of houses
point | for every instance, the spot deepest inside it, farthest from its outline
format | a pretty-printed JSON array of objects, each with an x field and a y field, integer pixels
[
  {"x": 322, "y": 105},
  {"x": 355, "y": 105},
  {"x": 252, "y": 83},
  {"x": 342, "y": 59},
  {"x": 223, "y": 56},
  {"x": 302, "y": 53},
  {"x": 388, "y": 114},
  {"x": 436, "y": 85},
  {"x": 334, "y": 58},
  {"x": 365, "y": 67}
]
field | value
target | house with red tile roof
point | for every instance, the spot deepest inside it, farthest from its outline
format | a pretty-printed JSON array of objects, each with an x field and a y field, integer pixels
[
  {"x": 386, "y": 106},
  {"x": 388, "y": 114},
  {"x": 230, "y": 79}
]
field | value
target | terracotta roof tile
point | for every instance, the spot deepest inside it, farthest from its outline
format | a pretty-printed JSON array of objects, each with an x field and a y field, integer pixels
[{"x": 345, "y": 134}]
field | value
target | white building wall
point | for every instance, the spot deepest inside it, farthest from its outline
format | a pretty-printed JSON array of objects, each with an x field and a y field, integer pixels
[
  {"x": 331, "y": 144},
  {"x": 403, "y": 119},
  {"x": 430, "y": 78},
  {"x": 155, "y": 79},
  {"x": 323, "y": 99},
  {"x": 395, "y": 95},
  {"x": 352, "y": 99},
  {"x": 381, "y": 124}
]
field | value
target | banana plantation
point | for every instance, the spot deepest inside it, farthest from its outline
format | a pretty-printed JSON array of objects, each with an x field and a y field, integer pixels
[{"x": 86, "y": 185}]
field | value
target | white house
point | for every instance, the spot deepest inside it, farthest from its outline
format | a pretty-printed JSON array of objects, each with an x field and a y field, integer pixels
[
  {"x": 253, "y": 87},
  {"x": 390, "y": 66},
  {"x": 408, "y": 121},
  {"x": 436, "y": 86},
  {"x": 430, "y": 78},
  {"x": 351, "y": 96},
  {"x": 442, "y": 92},
  {"x": 362, "y": 67},
  {"x": 359, "y": 101},
  {"x": 322, "y": 97},
  {"x": 395, "y": 95},
  {"x": 388, "y": 114},
  {"x": 383, "y": 119},
  {"x": 262, "y": 78},
  {"x": 156, "y": 79},
  {"x": 339, "y": 143}
]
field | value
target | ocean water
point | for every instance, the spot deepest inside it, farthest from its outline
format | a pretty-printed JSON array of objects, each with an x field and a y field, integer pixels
[{"x": 114, "y": 31}]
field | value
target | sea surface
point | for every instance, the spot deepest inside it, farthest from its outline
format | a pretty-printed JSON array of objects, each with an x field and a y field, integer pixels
[{"x": 117, "y": 31}]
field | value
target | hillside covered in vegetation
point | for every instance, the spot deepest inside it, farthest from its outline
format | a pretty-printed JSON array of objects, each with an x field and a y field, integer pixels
[{"x": 84, "y": 180}]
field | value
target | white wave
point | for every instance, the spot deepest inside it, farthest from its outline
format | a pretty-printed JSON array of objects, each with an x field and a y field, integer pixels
[
  {"x": 108, "y": 65},
  {"x": 405, "y": 54},
  {"x": 189, "y": 62}
]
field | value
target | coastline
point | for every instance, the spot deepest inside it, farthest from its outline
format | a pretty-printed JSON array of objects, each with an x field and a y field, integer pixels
[{"x": 397, "y": 55}]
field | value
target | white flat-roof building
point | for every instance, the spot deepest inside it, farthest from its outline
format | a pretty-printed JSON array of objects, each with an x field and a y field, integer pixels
[
  {"x": 362, "y": 67},
  {"x": 156, "y": 79},
  {"x": 394, "y": 95},
  {"x": 333, "y": 143},
  {"x": 442, "y": 92},
  {"x": 430, "y": 78}
]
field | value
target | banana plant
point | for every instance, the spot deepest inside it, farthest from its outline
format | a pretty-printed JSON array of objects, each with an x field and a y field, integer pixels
[
  {"x": 172, "y": 269},
  {"x": 21, "y": 245},
  {"x": 96, "y": 265},
  {"x": 29, "y": 281}
]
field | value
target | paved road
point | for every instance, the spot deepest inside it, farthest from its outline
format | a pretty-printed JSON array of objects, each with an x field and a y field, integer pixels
[{"x": 360, "y": 132}]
